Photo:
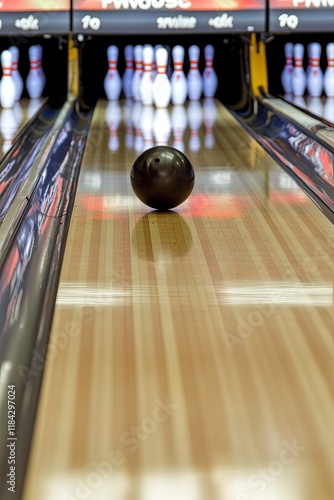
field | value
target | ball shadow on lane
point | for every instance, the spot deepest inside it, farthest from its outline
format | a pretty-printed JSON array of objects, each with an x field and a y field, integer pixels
[{"x": 161, "y": 236}]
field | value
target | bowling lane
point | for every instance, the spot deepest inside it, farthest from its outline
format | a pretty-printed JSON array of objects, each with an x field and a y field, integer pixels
[
  {"x": 11, "y": 121},
  {"x": 191, "y": 353}
]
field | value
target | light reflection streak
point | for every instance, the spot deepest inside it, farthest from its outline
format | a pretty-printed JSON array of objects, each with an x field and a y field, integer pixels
[
  {"x": 276, "y": 293},
  {"x": 248, "y": 293}
]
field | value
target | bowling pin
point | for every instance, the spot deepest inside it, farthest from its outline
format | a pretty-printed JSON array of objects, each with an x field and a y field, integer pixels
[
  {"x": 329, "y": 109},
  {"x": 128, "y": 73},
  {"x": 209, "y": 118},
  {"x": 178, "y": 80},
  {"x": 179, "y": 125},
  {"x": 286, "y": 77},
  {"x": 315, "y": 77},
  {"x": 36, "y": 79},
  {"x": 112, "y": 81},
  {"x": 154, "y": 62},
  {"x": 298, "y": 81},
  {"x": 8, "y": 128},
  {"x": 7, "y": 85},
  {"x": 161, "y": 126},
  {"x": 161, "y": 85},
  {"x": 40, "y": 69},
  {"x": 146, "y": 82},
  {"x": 194, "y": 79},
  {"x": 329, "y": 73},
  {"x": 309, "y": 67},
  {"x": 138, "y": 58},
  {"x": 15, "y": 72},
  {"x": 113, "y": 117},
  {"x": 210, "y": 80},
  {"x": 195, "y": 118}
]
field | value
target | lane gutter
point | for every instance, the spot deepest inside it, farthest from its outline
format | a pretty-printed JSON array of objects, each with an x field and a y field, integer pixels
[{"x": 30, "y": 269}]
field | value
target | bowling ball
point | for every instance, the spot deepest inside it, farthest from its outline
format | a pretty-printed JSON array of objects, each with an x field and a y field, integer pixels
[{"x": 162, "y": 177}]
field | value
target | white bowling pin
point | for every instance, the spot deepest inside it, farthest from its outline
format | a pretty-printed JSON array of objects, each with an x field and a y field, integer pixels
[
  {"x": 286, "y": 77},
  {"x": 209, "y": 118},
  {"x": 161, "y": 85},
  {"x": 113, "y": 116},
  {"x": 210, "y": 80},
  {"x": 309, "y": 67},
  {"x": 194, "y": 79},
  {"x": 40, "y": 69},
  {"x": 154, "y": 62},
  {"x": 298, "y": 81},
  {"x": 8, "y": 128},
  {"x": 329, "y": 73},
  {"x": 178, "y": 80},
  {"x": 179, "y": 124},
  {"x": 7, "y": 85},
  {"x": 329, "y": 109},
  {"x": 146, "y": 82},
  {"x": 36, "y": 79},
  {"x": 138, "y": 57},
  {"x": 315, "y": 78},
  {"x": 112, "y": 81},
  {"x": 161, "y": 126},
  {"x": 195, "y": 118},
  {"x": 15, "y": 72},
  {"x": 128, "y": 73}
]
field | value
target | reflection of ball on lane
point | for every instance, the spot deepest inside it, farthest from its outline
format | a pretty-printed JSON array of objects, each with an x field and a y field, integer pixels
[
  {"x": 162, "y": 177},
  {"x": 152, "y": 241}
]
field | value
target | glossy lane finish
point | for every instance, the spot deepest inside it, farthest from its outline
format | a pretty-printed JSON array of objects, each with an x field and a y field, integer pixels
[
  {"x": 11, "y": 120},
  {"x": 191, "y": 355}
]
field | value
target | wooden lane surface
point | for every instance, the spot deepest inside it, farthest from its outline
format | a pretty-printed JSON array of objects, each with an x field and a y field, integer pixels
[{"x": 191, "y": 354}]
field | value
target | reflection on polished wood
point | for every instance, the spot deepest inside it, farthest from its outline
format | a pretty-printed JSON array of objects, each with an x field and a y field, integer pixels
[
  {"x": 11, "y": 120},
  {"x": 191, "y": 354}
]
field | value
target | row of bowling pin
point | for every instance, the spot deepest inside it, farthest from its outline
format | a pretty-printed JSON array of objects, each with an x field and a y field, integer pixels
[
  {"x": 147, "y": 126},
  {"x": 147, "y": 80},
  {"x": 11, "y": 84},
  {"x": 296, "y": 80}
]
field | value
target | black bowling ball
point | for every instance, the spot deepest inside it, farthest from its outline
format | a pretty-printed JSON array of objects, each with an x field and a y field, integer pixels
[{"x": 162, "y": 177}]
